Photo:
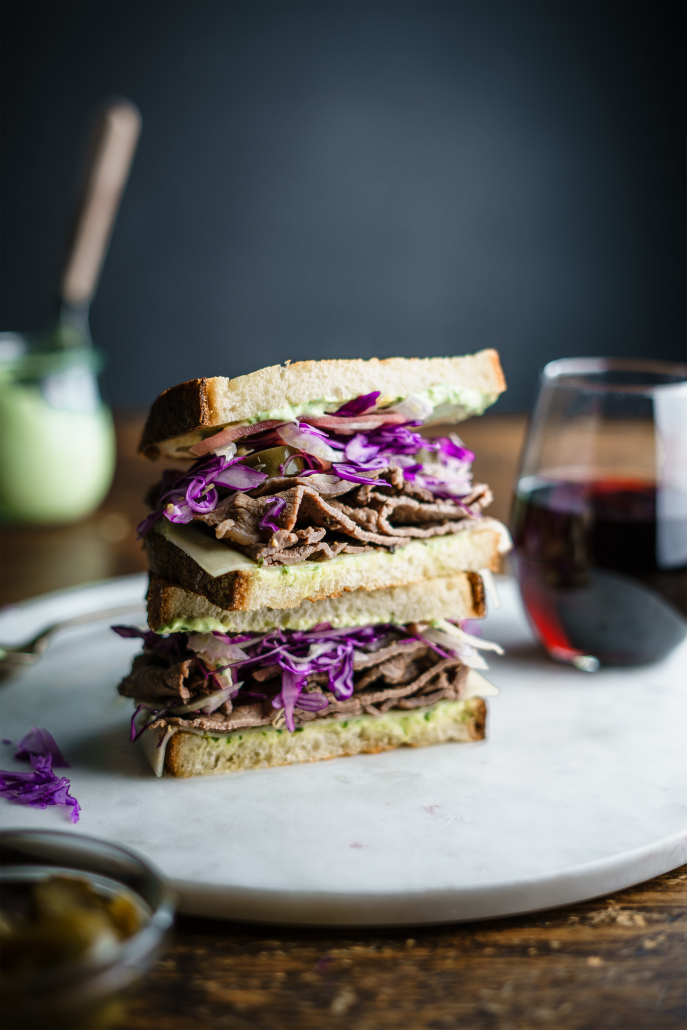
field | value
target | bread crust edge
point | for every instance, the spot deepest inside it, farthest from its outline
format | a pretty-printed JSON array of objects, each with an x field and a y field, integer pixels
[{"x": 181, "y": 409}]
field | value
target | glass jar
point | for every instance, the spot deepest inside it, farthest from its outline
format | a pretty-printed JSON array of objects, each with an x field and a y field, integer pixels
[{"x": 57, "y": 444}]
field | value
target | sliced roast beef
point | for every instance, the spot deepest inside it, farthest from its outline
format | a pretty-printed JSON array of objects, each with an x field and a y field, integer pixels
[
  {"x": 240, "y": 718},
  {"x": 328, "y": 486},
  {"x": 405, "y": 676},
  {"x": 322, "y": 516},
  {"x": 149, "y": 679},
  {"x": 318, "y": 551},
  {"x": 444, "y": 679},
  {"x": 238, "y": 519},
  {"x": 407, "y": 648}
]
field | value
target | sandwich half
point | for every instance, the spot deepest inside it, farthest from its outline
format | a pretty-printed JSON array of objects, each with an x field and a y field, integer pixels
[{"x": 313, "y": 561}]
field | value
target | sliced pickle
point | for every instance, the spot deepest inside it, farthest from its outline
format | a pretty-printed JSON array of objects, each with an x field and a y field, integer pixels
[
  {"x": 63, "y": 919},
  {"x": 269, "y": 460}
]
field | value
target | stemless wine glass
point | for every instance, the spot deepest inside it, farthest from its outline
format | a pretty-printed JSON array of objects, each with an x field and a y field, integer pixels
[{"x": 600, "y": 511}]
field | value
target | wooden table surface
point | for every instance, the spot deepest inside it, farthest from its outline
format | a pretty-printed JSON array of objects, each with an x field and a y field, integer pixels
[{"x": 617, "y": 962}]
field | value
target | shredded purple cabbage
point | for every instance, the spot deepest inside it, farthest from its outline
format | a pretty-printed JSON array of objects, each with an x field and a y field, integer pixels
[
  {"x": 311, "y": 702},
  {"x": 376, "y": 448},
  {"x": 452, "y": 450},
  {"x": 312, "y": 465},
  {"x": 173, "y": 646},
  {"x": 359, "y": 405},
  {"x": 196, "y": 492},
  {"x": 135, "y": 734},
  {"x": 300, "y": 654},
  {"x": 275, "y": 507},
  {"x": 41, "y": 743},
  {"x": 352, "y": 473},
  {"x": 39, "y": 788}
]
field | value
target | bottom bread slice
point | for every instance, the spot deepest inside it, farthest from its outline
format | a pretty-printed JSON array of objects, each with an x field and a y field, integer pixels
[{"x": 195, "y": 754}]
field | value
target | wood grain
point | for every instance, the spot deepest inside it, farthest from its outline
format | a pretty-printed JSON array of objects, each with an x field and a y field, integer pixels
[{"x": 618, "y": 963}]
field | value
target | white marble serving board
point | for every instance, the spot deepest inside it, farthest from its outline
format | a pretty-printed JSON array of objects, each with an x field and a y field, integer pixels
[{"x": 579, "y": 790}]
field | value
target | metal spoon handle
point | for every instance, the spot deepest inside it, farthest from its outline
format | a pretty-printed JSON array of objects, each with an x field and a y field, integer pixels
[
  {"x": 114, "y": 144},
  {"x": 25, "y": 654}
]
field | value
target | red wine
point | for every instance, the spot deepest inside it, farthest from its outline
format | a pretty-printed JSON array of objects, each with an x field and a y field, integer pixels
[{"x": 602, "y": 572}]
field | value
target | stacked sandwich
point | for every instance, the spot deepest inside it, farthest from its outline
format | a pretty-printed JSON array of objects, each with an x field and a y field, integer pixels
[{"x": 313, "y": 560}]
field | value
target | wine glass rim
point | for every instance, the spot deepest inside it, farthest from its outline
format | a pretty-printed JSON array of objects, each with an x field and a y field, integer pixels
[{"x": 581, "y": 373}]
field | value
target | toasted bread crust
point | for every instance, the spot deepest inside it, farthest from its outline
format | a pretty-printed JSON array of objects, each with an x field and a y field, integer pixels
[
  {"x": 479, "y": 598},
  {"x": 181, "y": 409},
  {"x": 168, "y": 561},
  {"x": 160, "y": 601}
]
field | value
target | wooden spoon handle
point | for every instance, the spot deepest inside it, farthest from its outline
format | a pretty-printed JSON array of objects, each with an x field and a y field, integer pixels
[{"x": 117, "y": 133}]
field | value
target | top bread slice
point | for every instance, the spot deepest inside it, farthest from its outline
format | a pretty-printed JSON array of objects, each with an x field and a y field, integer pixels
[{"x": 455, "y": 388}]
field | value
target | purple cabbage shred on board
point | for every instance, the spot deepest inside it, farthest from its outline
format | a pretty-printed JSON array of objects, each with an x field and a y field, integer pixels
[
  {"x": 41, "y": 743},
  {"x": 39, "y": 788}
]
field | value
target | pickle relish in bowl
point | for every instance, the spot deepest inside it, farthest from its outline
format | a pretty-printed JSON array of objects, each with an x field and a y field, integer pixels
[{"x": 80, "y": 921}]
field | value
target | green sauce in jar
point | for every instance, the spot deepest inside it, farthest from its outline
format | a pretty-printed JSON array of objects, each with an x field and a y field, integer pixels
[{"x": 57, "y": 446}]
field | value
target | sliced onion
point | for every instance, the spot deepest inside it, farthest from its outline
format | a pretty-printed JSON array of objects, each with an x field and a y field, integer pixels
[
  {"x": 308, "y": 441},
  {"x": 346, "y": 426},
  {"x": 226, "y": 436},
  {"x": 207, "y": 704},
  {"x": 414, "y": 407},
  {"x": 213, "y": 649},
  {"x": 240, "y": 477}
]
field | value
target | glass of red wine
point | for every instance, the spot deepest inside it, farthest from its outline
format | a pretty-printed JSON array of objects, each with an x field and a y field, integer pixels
[{"x": 600, "y": 512}]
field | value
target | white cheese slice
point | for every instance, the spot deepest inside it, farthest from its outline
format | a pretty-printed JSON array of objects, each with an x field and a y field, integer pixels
[
  {"x": 478, "y": 686},
  {"x": 213, "y": 556}
]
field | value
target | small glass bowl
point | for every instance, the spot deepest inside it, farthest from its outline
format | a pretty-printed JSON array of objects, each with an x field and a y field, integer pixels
[{"x": 86, "y": 995}]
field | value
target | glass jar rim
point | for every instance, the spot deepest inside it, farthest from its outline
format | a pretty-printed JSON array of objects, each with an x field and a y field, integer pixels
[{"x": 582, "y": 373}]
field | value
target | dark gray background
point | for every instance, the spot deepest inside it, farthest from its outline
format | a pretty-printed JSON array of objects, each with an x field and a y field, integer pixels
[{"x": 356, "y": 179}]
